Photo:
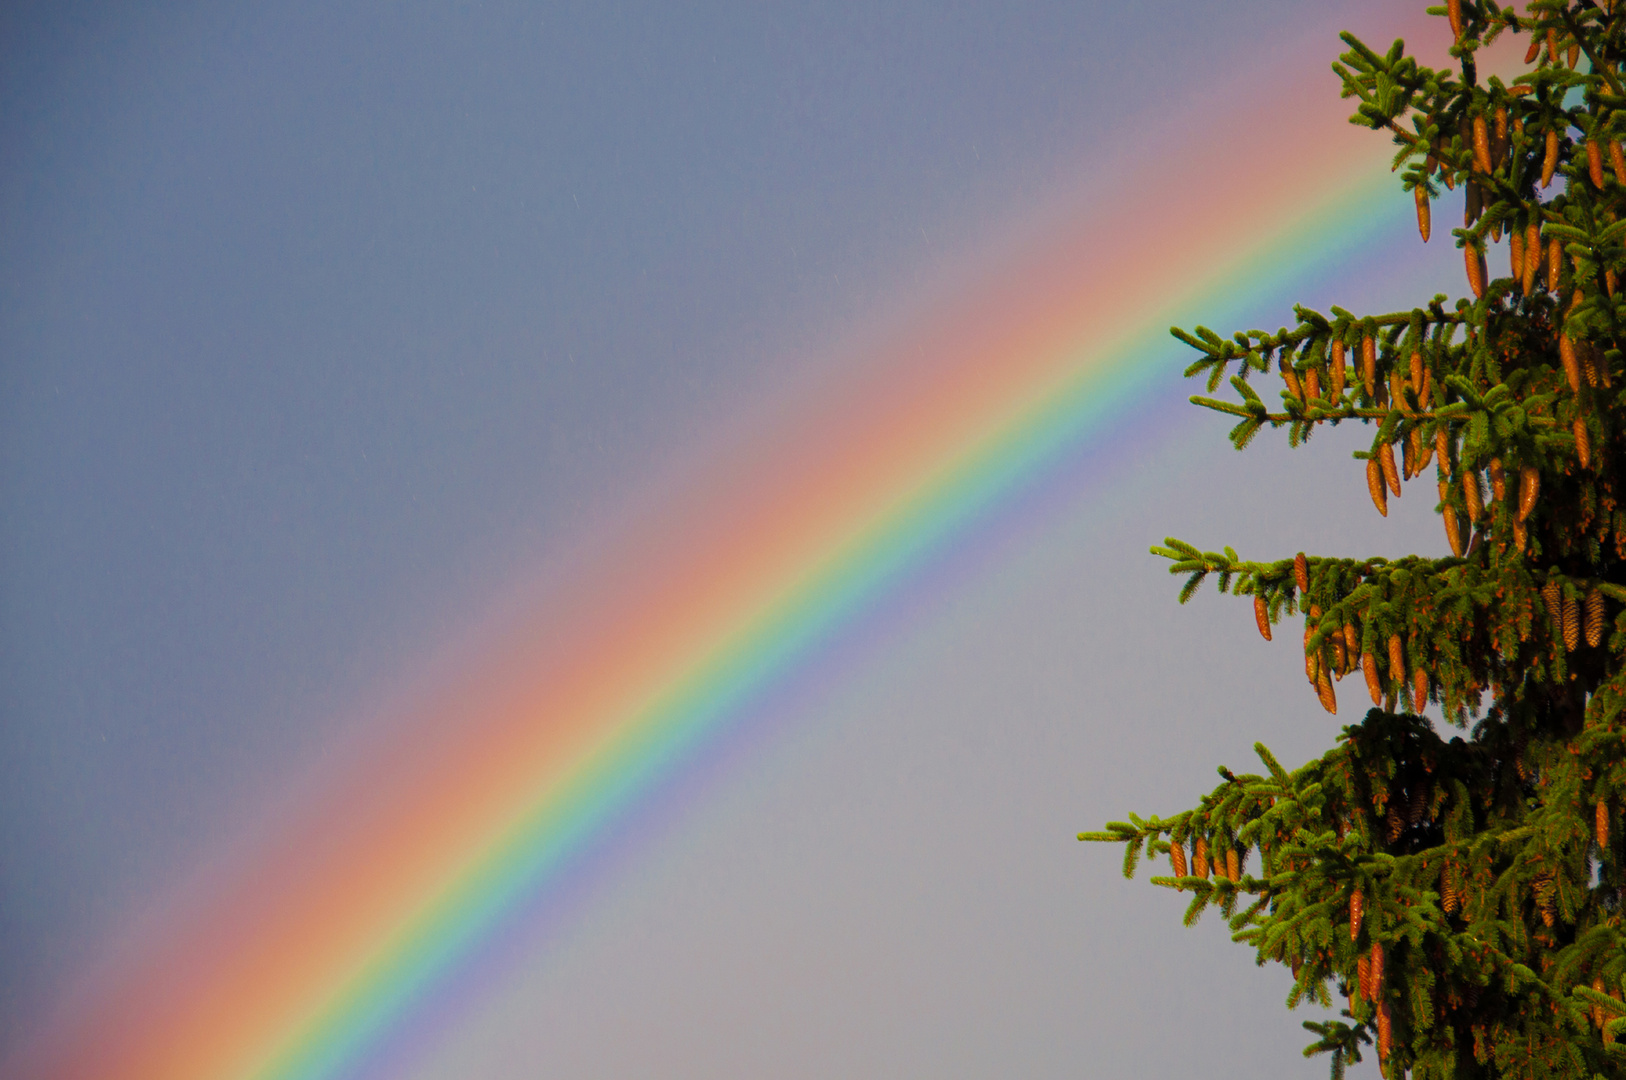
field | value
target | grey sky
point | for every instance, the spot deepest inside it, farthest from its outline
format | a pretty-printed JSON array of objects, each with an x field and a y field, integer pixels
[{"x": 320, "y": 321}]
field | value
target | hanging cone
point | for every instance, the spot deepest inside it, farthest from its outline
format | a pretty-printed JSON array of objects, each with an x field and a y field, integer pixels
[
  {"x": 1369, "y": 366},
  {"x": 1374, "y": 685},
  {"x": 1515, "y": 257},
  {"x": 1552, "y": 598},
  {"x": 1594, "y": 163},
  {"x": 1419, "y": 690},
  {"x": 1391, "y": 475},
  {"x": 1376, "y": 968},
  {"x": 1338, "y": 373},
  {"x": 1473, "y": 204},
  {"x": 1574, "y": 56},
  {"x": 1374, "y": 486},
  {"x": 1261, "y": 616},
  {"x": 1352, "y": 639},
  {"x": 1356, "y": 906},
  {"x": 1521, "y": 537},
  {"x": 1594, "y": 618},
  {"x": 1600, "y": 825},
  {"x": 1417, "y": 374},
  {"x": 1571, "y": 362},
  {"x": 1363, "y": 977},
  {"x": 1572, "y": 623},
  {"x": 1453, "y": 9},
  {"x": 1552, "y": 46},
  {"x": 1549, "y": 161},
  {"x": 1233, "y": 865},
  {"x": 1474, "y": 260},
  {"x": 1312, "y": 384},
  {"x": 1533, "y": 51},
  {"x": 1583, "y": 442},
  {"x": 1532, "y": 256},
  {"x": 1470, "y": 494},
  {"x": 1177, "y": 859},
  {"x": 1385, "y": 1033},
  {"x": 1301, "y": 572},
  {"x": 1482, "y": 149},
  {"x": 1617, "y": 161},
  {"x": 1199, "y": 857},
  {"x": 1325, "y": 692},
  {"x": 1442, "y": 447},
  {"x": 1397, "y": 658},
  {"x": 1555, "y": 263},
  {"x": 1529, "y": 488},
  {"x": 1423, "y": 223},
  {"x": 1453, "y": 528}
]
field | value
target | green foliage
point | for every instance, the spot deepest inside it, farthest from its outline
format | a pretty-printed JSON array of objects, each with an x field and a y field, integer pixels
[{"x": 1463, "y": 896}]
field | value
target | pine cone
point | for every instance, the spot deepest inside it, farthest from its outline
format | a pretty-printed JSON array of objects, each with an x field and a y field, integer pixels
[
  {"x": 1442, "y": 447},
  {"x": 1417, "y": 372},
  {"x": 1473, "y": 259},
  {"x": 1617, "y": 161},
  {"x": 1301, "y": 572},
  {"x": 1325, "y": 692},
  {"x": 1572, "y": 624},
  {"x": 1533, "y": 51},
  {"x": 1482, "y": 154},
  {"x": 1601, "y": 825},
  {"x": 1594, "y": 618},
  {"x": 1470, "y": 494},
  {"x": 1290, "y": 377},
  {"x": 1394, "y": 822},
  {"x": 1369, "y": 366},
  {"x": 1338, "y": 369},
  {"x": 1261, "y": 616},
  {"x": 1571, "y": 362},
  {"x": 1598, "y": 1016},
  {"x": 1448, "y": 890},
  {"x": 1498, "y": 480},
  {"x": 1453, "y": 530},
  {"x": 1397, "y": 658},
  {"x": 1594, "y": 163},
  {"x": 1375, "y": 487},
  {"x": 1418, "y": 805},
  {"x": 1363, "y": 977},
  {"x": 1583, "y": 443},
  {"x": 1515, "y": 257},
  {"x": 1177, "y": 859},
  {"x": 1549, "y": 163},
  {"x": 1532, "y": 257},
  {"x": 1374, "y": 685},
  {"x": 1386, "y": 458},
  {"x": 1356, "y": 909},
  {"x": 1199, "y": 857},
  {"x": 1529, "y": 488},
  {"x": 1555, "y": 257},
  {"x": 1453, "y": 9},
  {"x": 1376, "y": 967},
  {"x": 1352, "y": 639},
  {"x": 1385, "y": 1032},
  {"x": 1419, "y": 690},
  {"x": 1423, "y": 223},
  {"x": 1552, "y": 598},
  {"x": 1312, "y": 384},
  {"x": 1233, "y": 865}
]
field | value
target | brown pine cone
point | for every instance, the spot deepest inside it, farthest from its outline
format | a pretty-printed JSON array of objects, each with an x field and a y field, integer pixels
[
  {"x": 1470, "y": 494},
  {"x": 1419, "y": 690},
  {"x": 1498, "y": 480},
  {"x": 1583, "y": 442},
  {"x": 1356, "y": 910},
  {"x": 1555, "y": 258},
  {"x": 1442, "y": 448},
  {"x": 1552, "y": 598},
  {"x": 1397, "y": 658},
  {"x": 1600, "y": 822},
  {"x": 1572, "y": 624},
  {"x": 1423, "y": 223},
  {"x": 1177, "y": 859},
  {"x": 1529, "y": 488},
  {"x": 1594, "y": 618},
  {"x": 1617, "y": 161},
  {"x": 1453, "y": 530},
  {"x": 1339, "y": 373},
  {"x": 1325, "y": 692},
  {"x": 1301, "y": 572},
  {"x": 1375, "y": 486},
  {"x": 1594, "y": 163},
  {"x": 1394, "y": 822},
  {"x": 1473, "y": 259},
  {"x": 1571, "y": 361},
  {"x": 1391, "y": 475},
  {"x": 1418, "y": 806},
  {"x": 1233, "y": 865},
  {"x": 1374, "y": 685},
  {"x": 1532, "y": 257},
  {"x": 1549, "y": 163},
  {"x": 1261, "y": 616},
  {"x": 1199, "y": 858},
  {"x": 1369, "y": 366}
]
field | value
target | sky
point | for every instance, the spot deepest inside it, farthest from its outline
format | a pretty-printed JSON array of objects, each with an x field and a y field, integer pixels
[{"x": 340, "y": 339}]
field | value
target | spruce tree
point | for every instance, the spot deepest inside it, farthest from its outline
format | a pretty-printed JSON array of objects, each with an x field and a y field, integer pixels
[{"x": 1457, "y": 894}]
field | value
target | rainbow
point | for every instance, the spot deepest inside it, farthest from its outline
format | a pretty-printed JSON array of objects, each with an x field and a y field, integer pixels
[{"x": 312, "y": 952}]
